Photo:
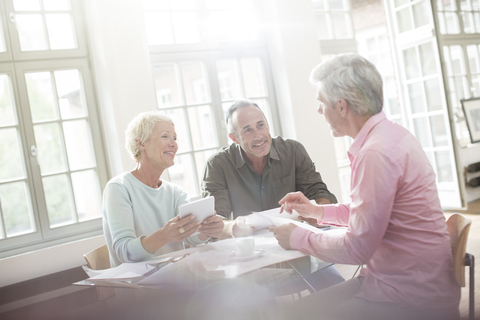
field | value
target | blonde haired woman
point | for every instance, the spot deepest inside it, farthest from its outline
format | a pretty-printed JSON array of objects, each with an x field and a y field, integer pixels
[{"x": 139, "y": 209}]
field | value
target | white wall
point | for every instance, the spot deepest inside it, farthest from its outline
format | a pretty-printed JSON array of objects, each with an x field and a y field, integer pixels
[{"x": 294, "y": 51}]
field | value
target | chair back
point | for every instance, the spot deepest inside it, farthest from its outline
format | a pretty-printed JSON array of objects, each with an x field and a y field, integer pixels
[
  {"x": 98, "y": 259},
  {"x": 458, "y": 227}
]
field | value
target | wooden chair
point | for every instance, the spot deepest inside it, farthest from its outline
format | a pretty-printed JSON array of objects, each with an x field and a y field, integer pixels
[
  {"x": 458, "y": 228},
  {"x": 99, "y": 259}
]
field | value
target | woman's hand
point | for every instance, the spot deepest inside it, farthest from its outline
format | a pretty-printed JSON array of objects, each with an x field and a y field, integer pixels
[
  {"x": 175, "y": 230},
  {"x": 282, "y": 234},
  {"x": 211, "y": 227},
  {"x": 298, "y": 202}
]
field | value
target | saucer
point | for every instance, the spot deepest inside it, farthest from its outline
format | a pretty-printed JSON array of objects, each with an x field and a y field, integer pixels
[{"x": 257, "y": 254}]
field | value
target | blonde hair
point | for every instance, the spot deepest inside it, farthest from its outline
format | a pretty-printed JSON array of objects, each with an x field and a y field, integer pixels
[{"x": 140, "y": 129}]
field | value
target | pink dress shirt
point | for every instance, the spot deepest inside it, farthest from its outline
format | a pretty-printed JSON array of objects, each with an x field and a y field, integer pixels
[{"x": 395, "y": 223}]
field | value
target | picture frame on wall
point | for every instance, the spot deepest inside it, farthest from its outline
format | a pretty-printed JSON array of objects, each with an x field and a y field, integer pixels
[{"x": 471, "y": 109}]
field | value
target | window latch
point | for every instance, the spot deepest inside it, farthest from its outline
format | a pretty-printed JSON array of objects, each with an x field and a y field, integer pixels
[{"x": 33, "y": 151}]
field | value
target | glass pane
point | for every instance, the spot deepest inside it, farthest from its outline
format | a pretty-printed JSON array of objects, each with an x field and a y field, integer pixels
[
  {"x": 181, "y": 128},
  {"x": 31, "y": 32},
  {"x": 16, "y": 209},
  {"x": 11, "y": 159},
  {"x": 468, "y": 26},
  {"x": 185, "y": 26},
  {"x": 253, "y": 77},
  {"x": 26, "y": 5},
  {"x": 200, "y": 160},
  {"x": 403, "y": 20},
  {"x": 60, "y": 31},
  {"x": 242, "y": 5},
  {"x": 421, "y": 131},
  {"x": 71, "y": 99},
  {"x": 79, "y": 144},
  {"x": 56, "y": 5},
  {"x": 59, "y": 200},
  {"x": 319, "y": 4},
  {"x": 183, "y": 4},
  {"x": 3, "y": 47},
  {"x": 202, "y": 127},
  {"x": 446, "y": 5},
  {"x": 400, "y": 2},
  {"x": 321, "y": 22},
  {"x": 195, "y": 83},
  {"x": 182, "y": 173},
  {"x": 217, "y": 5},
  {"x": 7, "y": 105},
  {"x": 159, "y": 28},
  {"x": 390, "y": 93},
  {"x": 476, "y": 19},
  {"x": 155, "y": 4},
  {"x": 87, "y": 195},
  {"x": 434, "y": 99},
  {"x": 427, "y": 58},
  {"x": 41, "y": 96},
  {"x": 228, "y": 26},
  {"x": 167, "y": 86},
  {"x": 421, "y": 14},
  {"x": 452, "y": 23},
  {"x": 415, "y": 92},
  {"x": 341, "y": 29},
  {"x": 412, "y": 69},
  {"x": 439, "y": 132},
  {"x": 51, "y": 157},
  {"x": 444, "y": 166},
  {"x": 473, "y": 59},
  {"x": 228, "y": 79},
  {"x": 337, "y": 5}
]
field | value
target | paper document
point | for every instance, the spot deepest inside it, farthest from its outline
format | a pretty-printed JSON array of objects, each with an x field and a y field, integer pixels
[{"x": 273, "y": 217}]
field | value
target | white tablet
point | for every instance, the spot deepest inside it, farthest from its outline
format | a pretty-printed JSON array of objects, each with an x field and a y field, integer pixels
[{"x": 201, "y": 209}]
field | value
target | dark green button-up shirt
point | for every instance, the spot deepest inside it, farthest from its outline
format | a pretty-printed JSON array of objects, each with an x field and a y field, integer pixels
[{"x": 240, "y": 190}]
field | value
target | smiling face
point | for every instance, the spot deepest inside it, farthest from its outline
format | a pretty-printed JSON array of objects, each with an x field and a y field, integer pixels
[
  {"x": 159, "y": 151},
  {"x": 252, "y": 132},
  {"x": 332, "y": 116}
]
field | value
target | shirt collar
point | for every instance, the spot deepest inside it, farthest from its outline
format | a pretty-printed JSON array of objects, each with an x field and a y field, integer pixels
[
  {"x": 363, "y": 133},
  {"x": 239, "y": 160}
]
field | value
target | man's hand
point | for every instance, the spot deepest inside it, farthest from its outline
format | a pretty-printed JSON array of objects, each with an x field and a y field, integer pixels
[
  {"x": 211, "y": 227},
  {"x": 282, "y": 234},
  {"x": 298, "y": 202},
  {"x": 241, "y": 229}
]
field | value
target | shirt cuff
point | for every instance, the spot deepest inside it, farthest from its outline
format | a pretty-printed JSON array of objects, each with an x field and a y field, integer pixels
[
  {"x": 138, "y": 252},
  {"x": 328, "y": 214},
  {"x": 296, "y": 237},
  {"x": 195, "y": 240}
]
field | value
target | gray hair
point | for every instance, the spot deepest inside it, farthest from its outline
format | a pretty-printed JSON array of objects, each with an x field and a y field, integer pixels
[
  {"x": 140, "y": 129},
  {"x": 239, "y": 104},
  {"x": 353, "y": 78}
]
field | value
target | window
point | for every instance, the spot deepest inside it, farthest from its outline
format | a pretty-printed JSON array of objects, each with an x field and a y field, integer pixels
[
  {"x": 51, "y": 169},
  {"x": 205, "y": 54},
  {"x": 401, "y": 46}
]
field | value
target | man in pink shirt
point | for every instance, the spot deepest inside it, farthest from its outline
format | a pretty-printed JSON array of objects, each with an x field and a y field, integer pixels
[{"x": 396, "y": 226}]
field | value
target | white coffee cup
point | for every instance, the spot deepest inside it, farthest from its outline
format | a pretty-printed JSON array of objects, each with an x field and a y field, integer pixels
[{"x": 244, "y": 247}]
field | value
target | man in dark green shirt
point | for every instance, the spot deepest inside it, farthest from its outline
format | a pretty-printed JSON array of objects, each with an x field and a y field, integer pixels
[{"x": 256, "y": 171}]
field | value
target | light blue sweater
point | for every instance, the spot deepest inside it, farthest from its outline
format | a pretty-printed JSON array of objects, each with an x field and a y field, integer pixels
[{"x": 132, "y": 210}]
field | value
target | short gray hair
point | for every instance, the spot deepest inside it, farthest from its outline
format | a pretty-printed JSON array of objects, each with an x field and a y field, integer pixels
[
  {"x": 239, "y": 104},
  {"x": 353, "y": 78},
  {"x": 140, "y": 129}
]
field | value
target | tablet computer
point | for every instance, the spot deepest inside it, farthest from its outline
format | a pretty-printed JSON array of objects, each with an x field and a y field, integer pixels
[{"x": 201, "y": 209}]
